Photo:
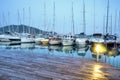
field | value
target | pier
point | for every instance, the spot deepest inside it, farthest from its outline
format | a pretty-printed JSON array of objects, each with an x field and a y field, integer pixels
[{"x": 27, "y": 66}]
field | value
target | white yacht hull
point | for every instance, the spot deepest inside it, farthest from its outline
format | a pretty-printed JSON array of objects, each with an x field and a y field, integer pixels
[
  {"x": 27, "y": 40},
  {"x": 81, "y": 42},
  {"x": 54, "y": 42},
  {"x": 67, "y": 42}
]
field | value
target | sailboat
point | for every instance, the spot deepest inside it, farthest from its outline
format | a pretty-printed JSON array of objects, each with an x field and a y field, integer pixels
[
  {"x": 96, "y": 37},
  {"x": 26, "y": 37},
  {"x": 10, "y": 37},
  {"x": 55, "y": 39},
  {"x": 81, "y": 40},
  {"x": 68, "y": 40}
]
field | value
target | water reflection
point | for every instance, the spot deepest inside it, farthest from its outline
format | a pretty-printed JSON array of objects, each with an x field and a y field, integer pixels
[
  {"x": 81, "y": 51},
  {"x": 112, "y": 56},
  {"x": 27, "y": 45},
  {"x": 67, "y": 49},
  {"x": 97, "y": 73}
]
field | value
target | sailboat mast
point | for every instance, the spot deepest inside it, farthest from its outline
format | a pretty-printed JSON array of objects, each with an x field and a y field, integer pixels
[
  {"x": 111, "y": 25},
  {"x": 29, "y": 19},
  {"x": 23, "y": 20},
  {"x": 73, "y": 20},
  {"x": 119, "y": 23},
  {"x": 107, "y": 19},
  {"x": 104, "y": 24},
  {"x": 9, "y": 20},
  {"x": 84, "y": 21},
  {"x": 115, "y": 21},
  {"x": 3, "y": 21},
  {"x": 94, "y": 17},
  {"x": 45, "y": 16},
  {"x": 53, "y": 16}
]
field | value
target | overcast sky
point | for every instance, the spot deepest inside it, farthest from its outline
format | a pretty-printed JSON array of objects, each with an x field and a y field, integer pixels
[{"x": 63, "y": 14}]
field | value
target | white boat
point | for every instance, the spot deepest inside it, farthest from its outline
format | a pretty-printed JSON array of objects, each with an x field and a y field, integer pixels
[
  {"x": 97, "y": 38},
  {"x": 10, "y": 37},
  {"x": 26, "y": 38},
  {"x": 81, "y": 40},
  {"x": 68, "y": 40},
  {"x": 55, "y": 41}
]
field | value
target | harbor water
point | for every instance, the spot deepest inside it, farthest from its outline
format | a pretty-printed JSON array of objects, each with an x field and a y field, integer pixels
[{"x": 33, "y": 50}]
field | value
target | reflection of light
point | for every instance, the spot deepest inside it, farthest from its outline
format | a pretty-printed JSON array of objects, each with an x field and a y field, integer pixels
[
  {"x": 97, "y": 72},
  {"x": 112, "y": 52},
  {"x": 99, "y": 48}
]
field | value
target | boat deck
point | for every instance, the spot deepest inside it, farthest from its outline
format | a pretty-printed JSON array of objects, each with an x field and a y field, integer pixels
[{"x": 27, "y": 66}]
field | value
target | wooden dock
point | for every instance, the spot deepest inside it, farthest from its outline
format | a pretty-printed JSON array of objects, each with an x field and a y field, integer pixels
[{"x": 16, "y": 65}]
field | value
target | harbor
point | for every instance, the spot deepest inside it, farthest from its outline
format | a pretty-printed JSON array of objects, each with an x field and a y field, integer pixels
[
  {"x": 40, "y": 62},
  {"x": 60, "y": 40}
]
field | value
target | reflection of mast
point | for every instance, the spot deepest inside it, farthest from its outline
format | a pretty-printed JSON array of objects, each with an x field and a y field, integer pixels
[
  {"x": 54, "y": 17},
  {"x": 84, "y": 21},
  {"x": 94, "y": 17},
  {"x": 107, "y": 19},
  {"x": 73, "y": 20}
]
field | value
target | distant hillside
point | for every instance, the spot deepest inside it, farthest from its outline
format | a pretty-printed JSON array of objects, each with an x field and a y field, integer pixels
[{"x": 20, "y": 28}]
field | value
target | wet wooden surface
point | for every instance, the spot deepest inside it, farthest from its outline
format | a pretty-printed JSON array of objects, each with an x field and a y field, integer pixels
[{"x": 16, "y": 65}]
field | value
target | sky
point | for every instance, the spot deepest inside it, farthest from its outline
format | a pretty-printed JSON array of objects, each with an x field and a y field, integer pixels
[{"x": 41, "y": 12}]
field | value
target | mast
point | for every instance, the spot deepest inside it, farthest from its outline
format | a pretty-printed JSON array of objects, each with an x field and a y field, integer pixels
[
  {"x": 54, "y": 16},
  {"x": 23, "y": 20},
  {"x": 72, "y": 20},
  {"x": 111, "y": 25},
  {"x": 84, "y": 21},
  {"x": 107, "y": 19},
  {"x": 29, "y": 19},
  {"x": 118, "y": 24},
  {"x": 45, "y": 16},
  {"x": 9, "y": 21},
  {"x": 3, "y": 18},
  {"x": 94, "y": 17},
  {"x": 104, "y": 24},
  {"x": 115, "y": 21}
]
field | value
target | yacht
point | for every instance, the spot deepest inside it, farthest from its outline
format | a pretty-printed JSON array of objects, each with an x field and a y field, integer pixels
[
  {"x": 81, "y": 40},
  {"x": 27, "y": 38},
  {"x": 68, "y": 40},
  {"x": 10, "y": 37},
  {"x": 55, "y": 40},
  {"x": 97, "y": 38}
]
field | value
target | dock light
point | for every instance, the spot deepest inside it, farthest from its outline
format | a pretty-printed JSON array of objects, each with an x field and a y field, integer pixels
[{"x": 99, "y": 48}]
